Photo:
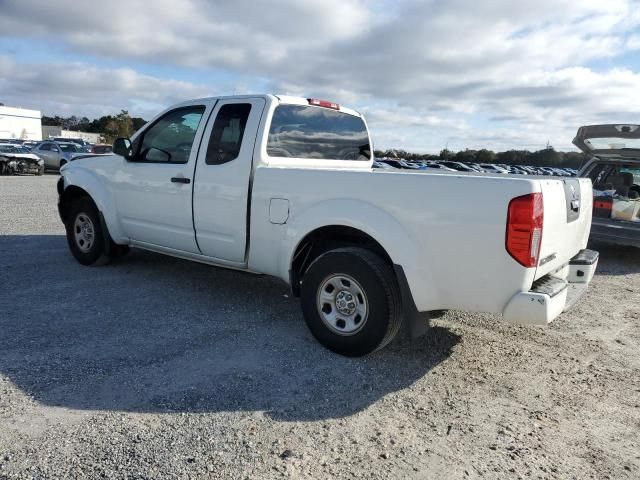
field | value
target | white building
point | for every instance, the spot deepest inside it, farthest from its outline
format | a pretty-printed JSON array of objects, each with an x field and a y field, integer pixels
[
  {"x": 86, "y": 136},
  {"x": 20, "y": 123},
  {"x": 53, "y": 131}
]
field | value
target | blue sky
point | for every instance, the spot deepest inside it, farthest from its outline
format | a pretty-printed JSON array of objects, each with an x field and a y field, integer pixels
[{"x": 427, "y": 74}]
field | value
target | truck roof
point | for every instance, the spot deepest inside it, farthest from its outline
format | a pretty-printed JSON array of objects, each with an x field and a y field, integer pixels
[{"x": 284, "y": 99}]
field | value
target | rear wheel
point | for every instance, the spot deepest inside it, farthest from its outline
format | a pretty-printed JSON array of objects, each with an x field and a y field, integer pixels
[
  {"x": 351, "y": 301},
  {"x": 84, "y": 233}
]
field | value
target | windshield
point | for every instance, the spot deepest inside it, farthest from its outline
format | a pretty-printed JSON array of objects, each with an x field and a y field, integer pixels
[
  {"x": 613, "y": 143},
  {"x": 68, "y": 148}
]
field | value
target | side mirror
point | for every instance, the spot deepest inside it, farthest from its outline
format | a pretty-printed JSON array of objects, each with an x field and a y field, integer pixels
[{"x": 122, "y": 146}]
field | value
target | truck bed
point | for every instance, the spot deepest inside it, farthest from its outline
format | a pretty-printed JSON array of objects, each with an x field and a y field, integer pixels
[{"x": 447, "y": 230}]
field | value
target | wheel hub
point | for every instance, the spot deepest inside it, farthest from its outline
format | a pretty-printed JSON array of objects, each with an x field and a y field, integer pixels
[
  {"x": 342, "y": 304},
  {"x": 345, "y": 303},
  {"x": 83, "y": 232}
]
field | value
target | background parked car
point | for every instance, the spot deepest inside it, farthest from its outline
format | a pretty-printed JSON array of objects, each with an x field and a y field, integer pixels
[
  {"x": 492, "y": 168},
  {"x": 459, "y": 166},
  {"x": 101, "y": 148},
  {"x": 29, "y": 144},
  {"x": 16, "y": 159},
  {"x": 57, "y": 154},
  {"x": 615, "y": 172}
]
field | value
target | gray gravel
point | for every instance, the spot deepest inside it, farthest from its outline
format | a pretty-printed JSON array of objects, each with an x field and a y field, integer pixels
[{"x": 154, "y": 367}]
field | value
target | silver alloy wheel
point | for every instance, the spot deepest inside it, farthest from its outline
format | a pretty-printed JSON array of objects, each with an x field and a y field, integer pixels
[
  {"x": 83, "y": 232},
  {"x": 342, "y": 304}
]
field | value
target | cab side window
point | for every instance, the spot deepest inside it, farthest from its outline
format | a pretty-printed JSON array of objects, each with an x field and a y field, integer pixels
[
  {"x": 169, "y": 139},
  {"x": 45, "y": 147},
  {"x": 227, "y": 132}
]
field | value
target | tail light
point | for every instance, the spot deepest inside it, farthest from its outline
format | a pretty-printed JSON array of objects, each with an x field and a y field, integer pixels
[
  {"x": 323, "y": 103},
  {"x": 524, "y": 229}
]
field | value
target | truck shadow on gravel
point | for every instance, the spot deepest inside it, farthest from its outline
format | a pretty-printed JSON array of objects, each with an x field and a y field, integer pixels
[
  {"x": 150, "y": 333},
  {"x": 617, "y": 259}
]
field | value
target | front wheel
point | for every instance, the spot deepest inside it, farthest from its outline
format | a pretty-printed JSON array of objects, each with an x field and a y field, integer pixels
[
  {"x": 351, "y": 301},
  {"x": 84, "y": 233}
]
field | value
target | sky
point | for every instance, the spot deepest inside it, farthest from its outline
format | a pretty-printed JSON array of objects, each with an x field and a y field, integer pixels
[{"x": 427, "y": 74}]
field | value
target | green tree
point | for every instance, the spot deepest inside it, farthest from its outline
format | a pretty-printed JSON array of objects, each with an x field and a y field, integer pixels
[
  {"x": 446, "y": 154},
  {"x": 485, "y": 156},
  {"x": 119, "y": 126},
  {"x": 466, "y": 155}
]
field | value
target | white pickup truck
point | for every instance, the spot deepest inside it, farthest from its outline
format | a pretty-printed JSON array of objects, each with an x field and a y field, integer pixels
[{"x": 284, "y": 186}]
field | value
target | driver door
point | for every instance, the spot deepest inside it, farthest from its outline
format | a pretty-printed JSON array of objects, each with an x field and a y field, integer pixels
[{"x": 153, "y": 189}]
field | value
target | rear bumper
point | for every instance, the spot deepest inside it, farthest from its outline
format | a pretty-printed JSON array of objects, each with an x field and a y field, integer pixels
[{"x": 554, "y": 293}]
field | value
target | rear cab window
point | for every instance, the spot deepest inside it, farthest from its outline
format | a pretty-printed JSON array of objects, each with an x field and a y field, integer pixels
[{"x": 317, "y": 133}]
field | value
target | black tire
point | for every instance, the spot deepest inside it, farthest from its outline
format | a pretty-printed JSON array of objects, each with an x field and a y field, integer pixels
[
  {"x": 93, "y": 253},
  {"x": 381, "y": 294}
]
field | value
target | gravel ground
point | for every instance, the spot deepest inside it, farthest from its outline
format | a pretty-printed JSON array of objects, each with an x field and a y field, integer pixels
[{"x": 154, "y": 367}]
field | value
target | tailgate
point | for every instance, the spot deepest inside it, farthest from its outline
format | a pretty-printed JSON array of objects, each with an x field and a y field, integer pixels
[{"x": 567, "y": 221}]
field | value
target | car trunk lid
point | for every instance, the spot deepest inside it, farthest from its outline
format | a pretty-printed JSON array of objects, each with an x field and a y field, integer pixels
[{"x": 611, "y": 139}]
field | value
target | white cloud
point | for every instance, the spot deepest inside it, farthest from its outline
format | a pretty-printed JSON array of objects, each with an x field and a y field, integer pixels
[
  {"x": 505, "y": 73},
  {"x": 84, "y": 89}
]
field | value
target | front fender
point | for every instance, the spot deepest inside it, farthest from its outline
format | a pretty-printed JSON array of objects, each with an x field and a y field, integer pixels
[{"x": 94, "y": 185}]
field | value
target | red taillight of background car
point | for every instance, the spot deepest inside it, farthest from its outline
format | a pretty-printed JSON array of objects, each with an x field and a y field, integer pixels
[{"x": 524, "y": 228}]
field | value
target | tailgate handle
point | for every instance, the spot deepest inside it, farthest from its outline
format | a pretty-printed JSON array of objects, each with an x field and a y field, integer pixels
[{"x": 575, "y": 205}]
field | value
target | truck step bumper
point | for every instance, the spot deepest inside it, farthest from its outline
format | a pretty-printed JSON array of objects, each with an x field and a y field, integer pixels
[
  {"x": 582, "y": 267},
  {"x": 550, "y": 295}
]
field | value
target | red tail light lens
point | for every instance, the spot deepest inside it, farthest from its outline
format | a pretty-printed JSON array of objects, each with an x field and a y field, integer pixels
[
  {"x": 323, "y": 103},
  {"x": 524, "y": 229}
]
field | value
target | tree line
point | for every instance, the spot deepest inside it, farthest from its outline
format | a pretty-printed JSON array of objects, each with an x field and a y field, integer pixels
[
  {"x": 109, "y": 126},
  {"x": 547, "y": 157}
]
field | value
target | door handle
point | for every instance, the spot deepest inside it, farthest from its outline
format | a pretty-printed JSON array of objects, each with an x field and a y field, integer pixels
[{"x": 180, "y": 180}]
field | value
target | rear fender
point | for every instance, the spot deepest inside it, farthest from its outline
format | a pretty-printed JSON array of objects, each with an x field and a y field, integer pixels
[{"x": 375, "y": 222}]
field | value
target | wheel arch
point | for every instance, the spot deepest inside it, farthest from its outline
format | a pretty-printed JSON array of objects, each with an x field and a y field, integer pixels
[
  {"x": 325, "y": 238},
  {"x": 68, "y": 196},
  {"x": 78, "y": 183}
]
